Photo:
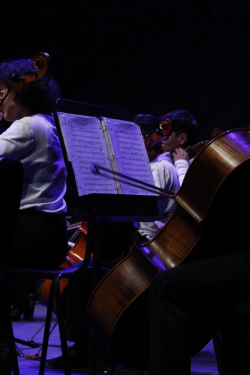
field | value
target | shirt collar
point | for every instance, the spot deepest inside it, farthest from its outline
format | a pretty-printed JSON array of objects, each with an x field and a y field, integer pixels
[{"x": 164, "y": 156}]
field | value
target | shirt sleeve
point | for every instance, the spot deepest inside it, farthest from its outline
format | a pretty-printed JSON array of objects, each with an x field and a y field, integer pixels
[
  {"x": 181, "y": 166},
  {"x": 17, "y": 142},
  {"x": 160, "y": 176}
]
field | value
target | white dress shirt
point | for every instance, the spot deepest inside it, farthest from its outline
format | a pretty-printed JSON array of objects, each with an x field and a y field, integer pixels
[
  {"x": 34, "y": 141},
  {"x": 165, "y": 177}
]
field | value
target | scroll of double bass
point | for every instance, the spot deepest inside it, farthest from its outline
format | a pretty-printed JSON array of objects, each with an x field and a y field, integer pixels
[
  {"x": 41, "y": 64},
  {"x": 209, "y": 220}
]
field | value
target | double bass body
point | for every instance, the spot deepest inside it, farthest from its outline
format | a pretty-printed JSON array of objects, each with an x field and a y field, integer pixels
[{"x": 210, "y": 220}]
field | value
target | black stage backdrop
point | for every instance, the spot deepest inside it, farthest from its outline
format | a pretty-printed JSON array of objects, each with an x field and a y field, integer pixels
[{"x": 141, "y": 55}]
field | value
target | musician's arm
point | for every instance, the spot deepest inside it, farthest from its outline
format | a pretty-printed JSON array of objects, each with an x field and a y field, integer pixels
[
  {"x": 181, "y": 162},
  {"x": 17, "y": 141},
  {"x": 181, "y": 167}
]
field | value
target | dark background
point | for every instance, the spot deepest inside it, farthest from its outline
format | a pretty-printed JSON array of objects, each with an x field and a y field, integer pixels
[{"x": 142, "y": 55}]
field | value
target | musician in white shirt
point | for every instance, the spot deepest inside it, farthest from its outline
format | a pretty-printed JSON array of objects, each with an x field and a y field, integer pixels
[
  {"x": 40, "y": 239},
  {"x": 167, "y": 175}
]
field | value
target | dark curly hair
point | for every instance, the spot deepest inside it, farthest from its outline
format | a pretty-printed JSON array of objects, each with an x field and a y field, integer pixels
[
  {"x": 183, "y": 122},
  {"x": 37, "y": 96}
]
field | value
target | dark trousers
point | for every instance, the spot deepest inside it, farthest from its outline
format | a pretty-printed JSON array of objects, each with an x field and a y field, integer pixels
[
  {"x": 187, "y": 306},
  {"x": 40, "y": 241}
]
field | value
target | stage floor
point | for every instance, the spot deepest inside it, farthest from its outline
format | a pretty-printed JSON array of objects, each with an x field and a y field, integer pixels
[{"x": 203, "y": 363}]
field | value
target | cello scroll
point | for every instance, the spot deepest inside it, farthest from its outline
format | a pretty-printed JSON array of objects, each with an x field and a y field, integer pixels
[{"x": 41, "y": 64}]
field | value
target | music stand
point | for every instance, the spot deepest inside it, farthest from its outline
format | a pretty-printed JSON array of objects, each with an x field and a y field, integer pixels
[{"x": 98, "y": 208}]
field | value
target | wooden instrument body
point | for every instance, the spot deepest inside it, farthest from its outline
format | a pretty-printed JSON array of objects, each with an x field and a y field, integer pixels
[
  {"x": 112, "y": 298},
  {"x": 41, "y": 62},
  {"x": 216, "y": 162},
  {"x": 209, "y": 220},
  {"x": 76, "y": 254}
]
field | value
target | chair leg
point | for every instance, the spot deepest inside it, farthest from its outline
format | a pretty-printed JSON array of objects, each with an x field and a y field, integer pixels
[
  {"x": 8, "y": 323},
  {"x": 118, "y": 370},
  {"x": 60, "y": 318},
  {"x": 244, "y": 365},
  {"x": 92, "y": 354},
  {"x": 47, "y": 331},
  {"x": 218, "y": 353},
  {"x": 33, "y": 297}
]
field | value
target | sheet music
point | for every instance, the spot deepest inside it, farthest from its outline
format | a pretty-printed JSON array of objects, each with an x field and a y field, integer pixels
[
  {"x": 130, "y": 154},
  {"x": 85, "y": 145}
]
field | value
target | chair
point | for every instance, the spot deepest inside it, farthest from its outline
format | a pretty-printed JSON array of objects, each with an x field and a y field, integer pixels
[
  {"x": 241, "y": 312},
  {"x": 11, "y": 173},
  {"x": 55, "y": 275}
]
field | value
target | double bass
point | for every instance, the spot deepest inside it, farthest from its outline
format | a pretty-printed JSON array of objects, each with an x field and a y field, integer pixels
[
  {"x": 209, "y": 220},
  {"x": 41, "y": 63}
]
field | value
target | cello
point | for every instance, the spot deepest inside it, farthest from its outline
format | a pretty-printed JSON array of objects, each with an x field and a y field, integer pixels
[
  {"x": 202, "y": 225},
  {"x": 74, "y": 255}
]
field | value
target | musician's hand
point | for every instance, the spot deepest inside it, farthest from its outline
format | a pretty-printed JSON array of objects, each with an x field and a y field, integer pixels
[
  {"x": 159, "y": 224},
  {"x": 180, "y": 153}
]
